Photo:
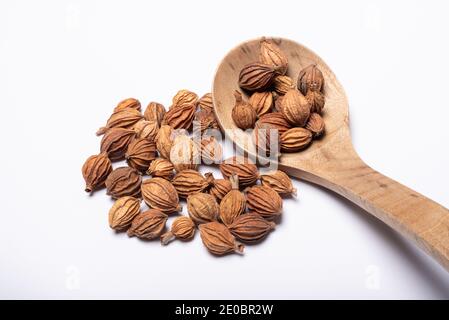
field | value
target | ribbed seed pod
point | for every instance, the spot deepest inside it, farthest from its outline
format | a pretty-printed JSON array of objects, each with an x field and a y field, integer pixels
[
  {"x": 202, "y": 208},
  {"x": 140, "y": 153},
  {"x": 316, "y": 100},
  {"x": 266, "y": 138},
  {"x": 274, "y": 120},
  {"x": 257, "y": 76},
  {"x": 295, "y": 108},
  {"x": 184, "y": 97},
  {"x": 218, "y": 239},
  {"x": 123, "y": 212},
  {"x": 123, "y": 181},
  {"x": 160, "y": 194},
  {"x": 261, "y": 102},
  {"x": 148, "y": 225},
  {"x": 282, "y": 84},
  {"x": 295, "y": 139},
  {"x": 244, "y": 168},
  {"x": 264, "y": 201},
  {"x": 279, "y": 181},
  {"x": 164, "y": 140},
  {"x": 204, "y": 119},
  {"x": 218, "y": 187},
  {"x": 188, "y": 182},
  {"x": 205, "y": 102},
  {"x": 183, "y": 228},
  {"x": 233, "y": 203},
  {"x": 278, "y": 104},
  {"x": 184, "y": 154},
  {"x": 125, "y": 118},
  {"x": 243, "y": 113},
  {"x": 129, "y": 103},
  {"x": 211, "y": 150},
  {"x": 95, "y": 171},
  {"x": 162, "y": 168},
  {"x": 315, "y": 124},
  {"x": 146, "y": 129},
  {"x": 154, "y": 112},
  {"x": 180, "y": 117},
  {"x": 271, "y": 54},
  {"x": 251, "y": 227},
  {"x": 310, "y": 78},
  {"x": 115, "y": 142}
]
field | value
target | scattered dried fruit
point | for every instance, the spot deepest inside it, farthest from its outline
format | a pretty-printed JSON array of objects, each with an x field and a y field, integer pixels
[
  {"x": 162, "y": 168},
  {"x": 146, "y": 129},
  {"x": 211, "y": 151},
  {"x": 315, "y": 124},
  {"x": 115, "y": 142},
  {"x": 271, "y": 54},
  {"x": 154, "y": 112},
  {"x": 264, "y": 201},
  {"x": 310, "y": 78},
  {"x": 279, "y": 181},
  {"x": 129, "y": 103},
  {"x": 218, "y": 239},
  {"x": 218, "y": 187},
  {"x": 295, "y": 108},
  {"x": 140, "y": 153},
  {"x": 160, "y": 194},
  {"x": 261, "y": 102},
  {"x": 233, "y": 203},
  {"x": 123, "y": 181},
  {"x": 123, "y": 212},
  {"x": 188, "y": 182},
  {"x": 184, "y": 154},
  {"x": 205, "y": 102},
  {"x": 282, "y": 84},
  {"x": 251, "y": 227},
  {"x": 180, "y": 116},
  {"x": 184, "y": 97},
  {"x": 95, "y": 171},
  {"x": 124, "y": 118},
  {"x": 295, "y": 139},
  {"x": 148, "y": 225},
  {"x": 257, "y": 76},
  {"x": 183, "y": 228},
  {"x": 164, "y": 141},
  {"x": 244, "y": 168},
  {"x": 243, "y": 113},
  {"x": 202, "y": 208},
  {"x": 316, "y": 100}
]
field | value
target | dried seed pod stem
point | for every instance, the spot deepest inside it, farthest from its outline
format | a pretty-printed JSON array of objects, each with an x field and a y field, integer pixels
[{"x": 183, "y": 228}]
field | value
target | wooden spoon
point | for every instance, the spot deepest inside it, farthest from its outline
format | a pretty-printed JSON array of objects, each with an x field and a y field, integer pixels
[{"x": 332, "y": 161}]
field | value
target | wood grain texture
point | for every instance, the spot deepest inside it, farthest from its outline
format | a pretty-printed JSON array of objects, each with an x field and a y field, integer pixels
[{"x": 332, "y": 161}]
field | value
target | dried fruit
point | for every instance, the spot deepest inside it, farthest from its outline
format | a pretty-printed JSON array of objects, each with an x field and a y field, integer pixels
[
  {"x": 316, "y": 100},
  {"x": 123, "y": 181},
  {"x": 205, "y": 102},
  {"x": 115, "y": 142},
  {"x": 146, "y": 129},
  {"x": 261, "y": 102},
  {"x": 148, "y": 225},
  {"x": 95, "y": 171},
  {"x": 125, "y": 118},
  {"x": 310, "y": 78},
  {"x": 184, "y": 97},
  {"x": 233, "y": 203},
  {"x": 257, "y": 76},
  {"x": 244, "y": 168},
  {"x": 129, "y": 103},
  {"x": 154, "y": 112},
  {"x": 183, "y": 228},
  {"x": 204, "y": 119},
  {"x": 295, "y": 139},
  {"x": 184, "y": 153},
  {"x": 279, "y": 181},
  {"x": 264, "y": 201},
  {"x": 218, "y": 239},
  {"x": 282, "y": 84},
  {"x": 274, "y": 120},
  {"x": 188, "y": 182},
  {"x": 202, "y": 208},
  {"x": 272, "y": 55},
  {"x": 180, "y": 117},
  {"x": 266, "y": 138},
  {"x": 315, "y": 124},
  {"x": 251, "y": 227},
  {"x": 218, "y": 187},
  {"x": 140, "y": 153},
  {"x": 160, "y": 194},
  {"x": 123, "y": 212},
  {"x": 278, "y": 103},
  {"x": 164, "y": 141},
  {"x": 243, "y": 113},
  {"x": 162, "y": 168},
  {"x": 295, "y": 108},
  {"x": 211, "y": 151}
]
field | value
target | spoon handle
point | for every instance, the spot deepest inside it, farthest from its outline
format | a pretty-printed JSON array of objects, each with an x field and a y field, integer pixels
[{"x": 413, "y": 215}]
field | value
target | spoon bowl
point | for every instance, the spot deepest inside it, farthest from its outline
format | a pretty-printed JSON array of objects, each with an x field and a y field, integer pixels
[{"x": 332, "y": 161}]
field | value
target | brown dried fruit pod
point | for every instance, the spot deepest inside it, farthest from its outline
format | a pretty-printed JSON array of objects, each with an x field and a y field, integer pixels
[
  {"x": 180, "y": 117},
  {"x": 123, "y": 212},
  {"x": 184, "y": 97},
  {"x": 164, "y": 140},
  {"x": 95, "y": 171},
  {"x": 251, "y": 227},
  {"x": 154, "y": 112},
  {"x": 140, "y": 153},
  {"x": 295, "y": 139},
  {"x": 218, "y": 187},
  {"x": 125, "y": 118},
  {"x": 261, "y": 102},
  {"x": 129, "y": 103},
  {"x": 188, "y": 182},
  {"x": 202, "y": 208},
  {"x": 315, "y": 124},
  {"x": 278, "y": 104},
  {"x": 204, "y": 120},
  {"x": 146, "y": 129},
  {"x": 244, "y": 168},
  {"x": 160, "y": 194},
  {"x": 233, "y": 203},
  {"x": 257, "y": 76},
  {"x": 162, "y": 168},
  {"x": 115, "y": 142},
  {"x": 310, "y": 78},
  {"x": 184, "y": 154},
  {"x": 316, "y": 100},
  {"x": 123, "y": 181},
  {"x": 272, "y": 55},
  {"x": 243, "y": 113},
  {"x": 182, "y": 228},
  {"x": 218, "y": 239},
  {"x": 282, "y": 84},
  {"x": 205, "y": 102},
  {"x": 279, "y": 181},
  {"x": 295, "y": 108},
  {"x": 211, "y": 150},
  {"x": 148, "y": 225},
  {"x": 266, "y": 137},
  {"x": 274, "y": 120},
  {"x": 264, "y": 201}
]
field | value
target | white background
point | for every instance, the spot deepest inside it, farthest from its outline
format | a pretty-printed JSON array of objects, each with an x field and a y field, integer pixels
[{"x": 65, "y": 64}]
